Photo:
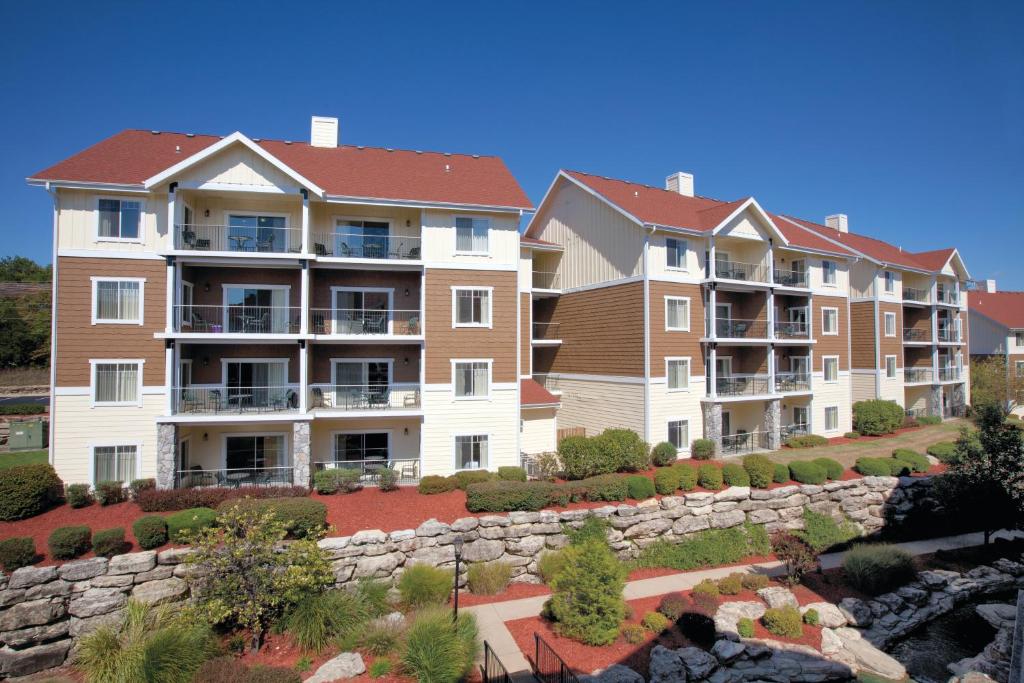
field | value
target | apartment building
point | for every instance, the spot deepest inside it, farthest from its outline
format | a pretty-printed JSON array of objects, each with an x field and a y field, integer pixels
[
  {"x": 236, "y": 311},
  {"x": 997, "y": 328},
  {"x": 682, "y": 317}
]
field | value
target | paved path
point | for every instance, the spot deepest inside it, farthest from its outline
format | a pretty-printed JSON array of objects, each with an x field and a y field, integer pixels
[{"x": 491, "y": 618}]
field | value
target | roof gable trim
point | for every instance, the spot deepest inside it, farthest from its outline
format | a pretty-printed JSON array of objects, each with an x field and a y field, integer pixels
[{"x": 752, "y": 204}]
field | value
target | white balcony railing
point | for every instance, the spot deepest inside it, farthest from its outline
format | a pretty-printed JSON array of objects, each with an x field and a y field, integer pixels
[
  {"x": 407, "y": 469},
  {"x": 790, "y": 278},
  {"x": 234, "y": 477},
  {"x": 948, "y": 334},
  {"x": 792, "y": 381},
  {"x": 917, "y": 375},
  {"x": 736, "y": 270},
  {"x": 743, "y": 442},
  {"x": 915, "y": 294},
  {"x": 212, "y": 401},
  {"x": 363, "y": 321},
  {"x": 364, "y": 397},
  {"x": 237, "y": 319},
  {"x": 948, "y": 296},
  {"x": 950, "y": 374},
  {"x": 546, "y": 280},
  {"x": 915, "y": 334},
  {"x": 356, "y": 245},
  {"x": 742, "y": 385},
  {"x": 237, "y": 238},
  {"x": 792, "y": 330},
  {"x": 787, "y": 432},
  {"x": 733, "y": 328}
]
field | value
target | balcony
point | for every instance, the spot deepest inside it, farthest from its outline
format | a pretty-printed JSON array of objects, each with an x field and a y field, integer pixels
[
  {"x": 234, "y": 400},
  {"x": 948, "y": 297},
  {"x": 546, "y": 332},
  {"x": 407, "y": 469},
  {"x": 741, "y": 329},
  {"x": 736, "y": 270},
  {"x": 240, "y": 239},
  {"x": 790, "y": 382},
  {"x": 743, "y": 442},
  {"x": 790, "y": 278},
  {"x": 365, "y": 322},
  {"x": 915, "y": 295},
  {"x": 742, "y": 385},
  {"x": 792, "y": 330},
  {"x": 948, "y": 334},
  {"x": 917, "y": 375},
  {"x": 356, "y": 245},
  {"x": 364, "y": 397},
  {"x": 236, "y": 319},
  {"x": 547, "y": 280},
  {"x": 235, "y": 477},
  {"x": 787, "y": 432},
  {"x": 954, "y": 411},
  {"x": 915, "y": 334},
  {"x": 950, "y": 374}
]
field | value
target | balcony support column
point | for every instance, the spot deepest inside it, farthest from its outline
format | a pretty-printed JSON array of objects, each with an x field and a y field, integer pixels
[
  {"x": 304, "y": 309},
  {"x": 712, "y": 311},
  {"x": 170, "y": 376},
  {"x": 713, "y": 423},
  {"x": 712, "y": 372},
  {"x": 171, "y": 299},
  {"x": 711, "y": 258},
  {"x": 771, "y": 263},
  {"x": 935, "y": 400},
  {"x": 770, "y": 317},
  {"x": 166, "y": 454},
  {"x": 771, "y": 369},
  {"x": 301, "y": 475},
  {"x": 306, "y": 244},
  {"x": 772, "y": 423},
  {"x": 303, "y": 377}
]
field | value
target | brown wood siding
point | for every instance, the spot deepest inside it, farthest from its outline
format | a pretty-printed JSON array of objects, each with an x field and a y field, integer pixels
[
  {"x": 746, "y": 360},
  {"x": 917, "y": 357},
  {"x": 965, "y": 327},
  {"x": 78, "y": 339},
  {"x": 784, "y": 353},
  {"x": 321, "y": 355},
  {"x": 445, "y": 342},
  {"x": 890, "y": 346},
  {"x": 862, "y": 334},
  {"x": 602, "y": 331},
  {"x": 322, "y": 279},
  {"x": 525, "y": 334},
  {"x": 665, "y": 343},
  {"x": 745, "y": 305},
  {"x": 917, "y": 318},
  {"x": 208, "y": 283},
  {"x": 831, "y": 345},
  {"x": 206, "y": 365}
]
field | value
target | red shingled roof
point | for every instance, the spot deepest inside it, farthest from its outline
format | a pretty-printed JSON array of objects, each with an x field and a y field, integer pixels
[
  {"x": 1006, "y": 308},
  {"x": 132, "y": 156},
  {"x": 934, "y": 260},
  {"x": 531, "y": 393},
  {"x": 869, "y": 246}
]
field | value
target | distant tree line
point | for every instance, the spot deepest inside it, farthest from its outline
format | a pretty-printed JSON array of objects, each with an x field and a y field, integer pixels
[{"x": 24, "y": 313}]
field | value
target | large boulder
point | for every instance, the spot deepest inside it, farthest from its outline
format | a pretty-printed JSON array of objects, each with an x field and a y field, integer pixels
[
  {"x": 33, "y": 659},
  {"x": 344, "y": 666},
  {"x": 616, "y": 673},
  {"x": 665, "y": 666},
  {"x": 847, "y": 646},
  {"x": 857, "y": 612},
  {"x": 729, "y": 614},
  {"x": 829, "y": 616},
  {"x": 160, "y": 592},
  {"x": 777, "y": 596},
  {"x": 698, "y": 663}
]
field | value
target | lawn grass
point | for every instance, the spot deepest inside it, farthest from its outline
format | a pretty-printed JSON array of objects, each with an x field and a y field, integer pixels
[
  {"x": 916, "y": 440},
  {"x": 22, "y": 458}
]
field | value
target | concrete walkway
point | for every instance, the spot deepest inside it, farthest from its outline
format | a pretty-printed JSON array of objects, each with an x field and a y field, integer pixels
[{"x": 491, "y": 618}]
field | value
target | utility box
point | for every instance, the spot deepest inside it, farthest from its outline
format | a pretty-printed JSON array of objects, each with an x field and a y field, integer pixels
[{"x": 28, "y": 435}]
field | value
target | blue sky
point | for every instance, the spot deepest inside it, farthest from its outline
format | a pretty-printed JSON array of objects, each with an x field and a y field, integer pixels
[{"x": 909, "y": 117}]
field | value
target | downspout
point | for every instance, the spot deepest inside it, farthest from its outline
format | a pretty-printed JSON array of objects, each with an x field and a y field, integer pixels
[
  {"x": 53, "y": 324},
  {"x": 647, "y": 334},
  {"x": 878, "y": 341}
]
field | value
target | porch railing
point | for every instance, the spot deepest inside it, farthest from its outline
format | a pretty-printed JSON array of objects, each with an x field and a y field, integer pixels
[
  {"x": 548, "y": 667},
  {"x": 790, "y": 278},
  {"x": 546, "y": 280},
  {"x": 949, "y": 374},
  {"x": 792, "y": 330},
  {"x": 913, "y": 375},
  {"x": 239, "y": 238},
  {"x": 348, "y": 244},
  {"x": 365, "y": 321},
  {"x": 237, "y": 319},
  {"x": 948, "y": 334},
  {"x": 407, "y": 469},
  {"x": 954, "y": 411},
  {"x": 792, "y": 381},
  {"x": 203, "y": 400},
  {"x": 947, "y": 296},
  {"x": 549, "y": 382},
  {"x": 787, "y": 432},
  {"x": 736, "y": 270},
  {"x": 915, "y": 294},
  {"x": 743, "y": 442},
  {"x": 364, "y": 396},
  {"x": 915, "y": 412},
  {"x": 742, "y": 385},
  {"x": 545, "y": 331},
  {"x": 912, "y": 334},
  {"x": 235, "y": 477},
  {"x": 492, "y": 670},
  {"x": 741, "y": 329}
]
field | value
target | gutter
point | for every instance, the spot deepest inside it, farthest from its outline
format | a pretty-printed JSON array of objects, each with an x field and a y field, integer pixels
[{"x": 53, "y": 326}]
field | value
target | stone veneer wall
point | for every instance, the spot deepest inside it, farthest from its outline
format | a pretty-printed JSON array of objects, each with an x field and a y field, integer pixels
[{"x": 44, "y": 609}]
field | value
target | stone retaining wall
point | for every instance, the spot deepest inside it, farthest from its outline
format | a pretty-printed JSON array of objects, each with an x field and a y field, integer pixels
[{"x": 44, "y": 609}]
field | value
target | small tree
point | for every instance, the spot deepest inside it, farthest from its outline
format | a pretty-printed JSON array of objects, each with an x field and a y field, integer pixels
[
  {"x": 587, "y": 598},
  {"x": 246, "y": 576},
  {"x": 798, "y": 556},
  {"x": 995, "y": 383}
]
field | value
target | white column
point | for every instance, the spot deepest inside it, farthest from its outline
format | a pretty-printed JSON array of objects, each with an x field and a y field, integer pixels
[
  {"x": 306, "y": 244},
  {"x": 171, "y": 299},
  {"x": 771, "y": 314},
  {"x": 711, "y": 258},
  {"x": 172, "y": 217},
  {"x": 304, "y": 299},
  {"x": 712, "y": 372},
  {"x": 303, "y": 377},
  {"x": 712, "y": 311},
  {"x": 169, "y": 375},
  {"x": 771, "y": 262},
  {"x": 771, "y": 368}
]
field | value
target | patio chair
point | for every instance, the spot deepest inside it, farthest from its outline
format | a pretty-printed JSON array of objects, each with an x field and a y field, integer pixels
[
  {"x": 266, "y": 244},
  {"x": 408, "y": 471},
  {"x": 215, "y": 400},
  {"x": 188, "y": 237},
  {"x": 319, "y": 249},
  {"x": 740, "y": 329},
  {"x": 202, "y": 244},
  {"x": 346, "y": 251},
  {"x": 414, "y": 325},
  {"x": 414, "y": 253},
  {"x": 318, "y": 398},
  {"x": 412, "y": 400}
]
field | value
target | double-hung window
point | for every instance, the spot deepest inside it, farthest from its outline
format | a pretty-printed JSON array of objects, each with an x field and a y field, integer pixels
[
  {"x": 890, "y": 282},
  {"x": 830, "y": 321},
  {"x": 678, "y": 372},
  {"x": 828, "y": 272},
  {"x": 472, "y": 378},
  {"x": 831, "y": 418},
  {"x": 1020, "y": 368},
  {"x": 1018, "y": 339},
  {"x": 472, "y": 307},
  {"x": 831, "y": 368},
  {"x": 117, "y": 382},
  {"x": 890, "y": 367},
  {"x": 677, "y": 314},
  {"x": 679, "y": 433},
  {"x": 117, "y": 301},
  {"x": 471, "y": 452},
  {"x": 890, "y": 324},
  {"x": 471, "y": 235},
  {"x": 115, "y": 463},
  {"x": 119, "y": 219},
  {"x": 675, "y": 251}
]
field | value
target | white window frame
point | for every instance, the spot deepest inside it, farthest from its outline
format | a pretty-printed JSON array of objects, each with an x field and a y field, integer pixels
[
  {"x": 96, "y": 219},
  {"x": 96, "y": 320},
  {"x": 824, "y": 320},
  {"x": 113, "y": 444},
  {"x": 824, "y": 369},
  {"x": 490, "y": 306},
  {"x": 689, "y": 313},
  {"x": 888, "y": 282},
  {"x": 374, "y": 290},
  {"x": 188, "y": 298},
  {"x": 245, "y": 285},
  {"x": 347, "y": 432},
  {"x": 1019, "y": 365},
  {"x": 684, "y": 260},
  {"x": 365, "y": 362},
  {"x": 455, "y": 450},
  {"x": 829, "y": 271},
  {"x": 836, "y": 413},
  {"x": 675, "y": 359},
  {"x": 886, "y": 317},
  {"x": 1018, "y": 339},
  {"x": 455, "y": 225},
  {"x": 224, "y": 362},
  {"x": 684, "y": 448},
  {"x": 455, "y": 362},
  {"x": 93, "y": 362},
  {"x": 286, "y": 450},
  {"x": 894, "y": 368}
]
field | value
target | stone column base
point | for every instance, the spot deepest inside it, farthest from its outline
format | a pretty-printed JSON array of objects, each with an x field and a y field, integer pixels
[
  {"x": 301, "y": 454},
  {"x": 713, "y": 423},
  {"x": 166, "y": 454},
  {"x": 772, "y": 423},
  {"x": 935, "y": 401}
]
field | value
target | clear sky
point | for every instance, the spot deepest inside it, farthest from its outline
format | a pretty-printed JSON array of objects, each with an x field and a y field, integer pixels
[{"x": 907, "y": 116}]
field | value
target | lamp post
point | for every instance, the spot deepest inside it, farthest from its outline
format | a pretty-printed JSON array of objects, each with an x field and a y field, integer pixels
[{"x": 457, "y": 542}]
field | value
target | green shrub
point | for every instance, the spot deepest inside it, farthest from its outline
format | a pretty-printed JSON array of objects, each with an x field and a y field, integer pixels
[
  {"x": 137, "y": 486},
  {"x": 918, "y": 463},
  {"x": 465, "y": 478},
  {"x": 634, "y": 634},
  {"x": 878, "y": 568},
  {"x": 581, "y": 458},
  {"x": 185, "y": 522},
  {"x": 489, "y": 578},
  {"x": 745, "y": 627},
  {"x": 733, "y": 474},
  {"x": 320, "y": 619},
  {"x": 604, "y": 487},
  {"x": 673, "y": 605},
  {"x": 506, "y": 496},
  {"x": 899, "y": 468},
  {"x": 945, "y": 451},
  {"x": 78, "y": 495},
  {"x": 873, "y": 467},
  {"x": 379, "y": 668},
  {"x": 550, "y": 563},
  {"x": 929, "y": 420},
  {"x": 301, "y": 517},
  {"x": 702, "y": 449},
  {"x": 731, "y": 585},
  {"x": 780, "y": 474},
  {"x": 687, "y": 477},
  {"x": 22, "y": 409},
  {"x": 511, "y": 473},
  {"x": 667, "y": 480},
  {"x": 655, "y": 622},
  {"x": 708, "y": 587},
  {"x": 877, "y": 417},
  {"x": 709, "y": 548},
  {"x": 807, "y": 472},
  {"x": 109, "y": 542},
  {"x": 852, "y": 435},
  {"x": 833, "y": 468},
  {"x": 17, "y": 552},
  {"x": 373, "y": 595},
  {"x": 592, "y": 529},
  {"x": 760, "y": 470},
  {"x": 337, "y": 479},
  {"x": 111, "y": 492},
  {"x": 438, "y": 649},
  {"x": 28, "y": 490},
  {"x": 821, "y": 532},
  {"x": 433, "y": 483},
  {"x": 710, "y": 477},
  {"x": 586, "y": 596},
  {"x": 150, "y": 531},
  {"x": 755, "y": 582},
  {"x": 640, "y": 487},
  {"x": 387, "y": 479},
  {"x": 811, "y": 617},
  {"x": 380, "y": 637},
  {"x": 69, "y": 542},
  {"x": 783, "y": 621},
  {"x": 625, "y": 448},
  {"x": 807, "y": 441},
  {"x": 422, "y": 585},
  {"x": 664, "y": 454}
]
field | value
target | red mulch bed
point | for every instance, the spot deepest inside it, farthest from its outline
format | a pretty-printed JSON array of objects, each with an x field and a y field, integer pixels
[
  {"x": 279, "y": 650},
  {"x": 515, "y": 591}
]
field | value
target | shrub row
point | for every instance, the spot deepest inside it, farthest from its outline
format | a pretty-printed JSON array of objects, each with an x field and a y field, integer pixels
[
  {"x": 707, "y": 549},
  {"x": 613, "y": 450},
  {"x": 945, "y": 451},
  {"x": 331, "y": 481},
  {"x": 69, "y": 542},
  {"x": 28, "y": 490},
  {"x": 22, "y": 409},
  {"x": 166, "y": 500},
  {"x": 300, "y": 516},
  {"x": 877, "y": 417},
  {"x": 929, "y": 420},
  {"x": 902, "y": 463},
  {"x": 433, "y": 483},
  {"x": 17, "y": 552},
  {"x": 878, "y": 568},
  {"x": 807, "y": 441},
  {"x": 508, "y": 496}
]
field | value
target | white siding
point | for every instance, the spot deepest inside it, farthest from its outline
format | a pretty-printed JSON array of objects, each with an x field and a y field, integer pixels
[
  {"x": 239, "y": 166},
  {"x": 862, "y": 385},
  {"x": 827, "y": 395},
  {"x": 669, "y": 406},
  {"x": 78, "y": 219},
  {"x": 658, "y": 258},
  {"x": 597, "y": 405},
  {"x": 497, "y": 417},
  {"x": 439, "y": 241},
  {"x": 539, "y": 430}
]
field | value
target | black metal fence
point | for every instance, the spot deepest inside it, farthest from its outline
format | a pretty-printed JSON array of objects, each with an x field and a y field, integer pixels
[
  {"x": 548, "y": 667},
  {"x": 493, "y": 671}
]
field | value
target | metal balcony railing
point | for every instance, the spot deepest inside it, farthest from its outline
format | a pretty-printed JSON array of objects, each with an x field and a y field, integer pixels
[
  {"x": 549, "y": 382},
  {"x": 948, "y": 334},
  {"x": 364, "y": 397},
  {"x": 954, "y": 411},
  {"x": 743, "y": 442},
  {"x": 235, "y": 477},
  {"x": 356, "y": 245},
  {"x": 790, "y": 278},
  {"x": 949, "y": 374},
  {"x": 237, "y": 319},
  {"x": 546, "y": 280},
  {"x": 206, "y": 401},
  {"x": 736, "y": 270},
  {"x": 792, "y": 381},
  {"x": 915, "y": 375},
  {"x": 365, "y": 321},
  {"x": 915, "y": 294},
  {"x": 915, "y": 334},
  {"x": 792, "y": 330},
  {"x": 545, "y": 331},
  {"x": 237, "y": 238},
  {"x": 741, "y": 329},
  {"x": 742, "y": 385},
  {"x": 407, "y": 469},
  {"x": 947, "y": 296},
  {"x": 787, "y": 432}
]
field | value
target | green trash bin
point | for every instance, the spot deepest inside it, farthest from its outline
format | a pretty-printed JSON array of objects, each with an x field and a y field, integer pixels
[{"x": 28, "y": 435}]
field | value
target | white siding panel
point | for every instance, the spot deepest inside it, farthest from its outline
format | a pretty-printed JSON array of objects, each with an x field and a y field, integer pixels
[
  {"x": 597, "y": 405},
  {"x": 539, "y": 428},
  {"x": 78, "y": 217},
  {"x": 445, "y": 417},
  {"x": 863, "y": 386},
  {"x": 677, "y": 405},
  {"x": 827, "y": 395},
  {"x": 439, "y": 241}
]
